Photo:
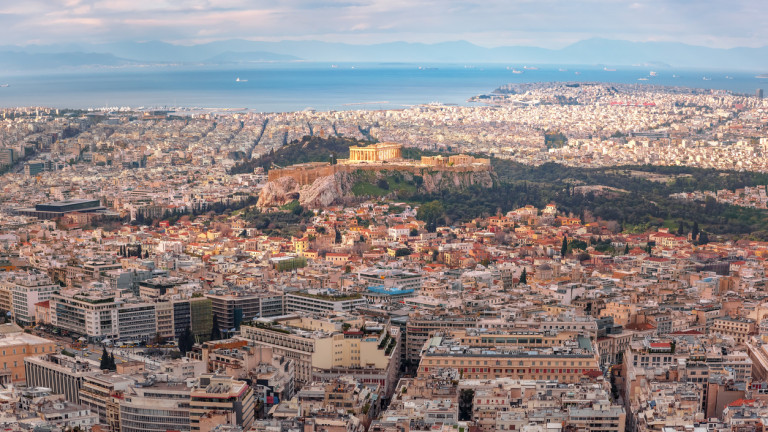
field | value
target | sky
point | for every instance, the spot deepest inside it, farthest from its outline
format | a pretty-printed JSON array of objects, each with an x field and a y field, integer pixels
[{"x": 489, "y": 23}]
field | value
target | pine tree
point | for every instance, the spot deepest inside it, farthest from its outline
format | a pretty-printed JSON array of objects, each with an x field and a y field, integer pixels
[
  {"x": 182, "y": 342},
  {"x": 186, "y": 341},
  {"x": 626, "y": 249},
  {"x": 564, "y": 247},
  {"x": 695, "y": 230},
  {"x": 104, "y": 365},
  {"x": 215, "y": 331},
  {"x": 112, "y": 364},
  {"x": 703, "y": 238},
  {"x": 524, "y": 277}
]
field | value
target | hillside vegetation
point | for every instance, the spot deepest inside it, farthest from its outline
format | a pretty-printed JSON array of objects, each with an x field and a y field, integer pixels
[
  {"x": 307, "y": 149},
  {"x": 639, "y": 204}
]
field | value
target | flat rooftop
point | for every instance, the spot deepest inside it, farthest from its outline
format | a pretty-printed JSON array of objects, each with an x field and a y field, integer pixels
[{"x": 10, "y": 339}]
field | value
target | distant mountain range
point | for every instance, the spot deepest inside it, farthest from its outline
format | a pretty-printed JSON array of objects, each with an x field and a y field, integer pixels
[{"x": 587, "y": 52}]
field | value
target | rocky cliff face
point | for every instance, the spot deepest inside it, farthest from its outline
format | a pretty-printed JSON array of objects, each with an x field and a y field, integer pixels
[
  {"x": 279, "y": 192},
  {"x": 337, "y": 188},
  {"x": 323, "y": 192}
]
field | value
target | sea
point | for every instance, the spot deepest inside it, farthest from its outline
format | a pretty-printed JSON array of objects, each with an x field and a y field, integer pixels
[{"x": 287, "y": 87}]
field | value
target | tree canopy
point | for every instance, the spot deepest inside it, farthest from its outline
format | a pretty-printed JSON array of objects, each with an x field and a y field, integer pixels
[{"x": 431, "y": 213}]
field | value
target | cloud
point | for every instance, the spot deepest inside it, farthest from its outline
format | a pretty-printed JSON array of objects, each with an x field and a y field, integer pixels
[{"x": 550, "y": 23}]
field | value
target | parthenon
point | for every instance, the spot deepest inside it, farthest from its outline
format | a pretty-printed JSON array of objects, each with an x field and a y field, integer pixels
[{"x": 375, "y": 152}]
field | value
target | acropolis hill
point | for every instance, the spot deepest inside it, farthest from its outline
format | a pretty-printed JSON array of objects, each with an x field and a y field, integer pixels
[
  {"x": 377, "y": 157},
  {"x": 323, "y": 183}
]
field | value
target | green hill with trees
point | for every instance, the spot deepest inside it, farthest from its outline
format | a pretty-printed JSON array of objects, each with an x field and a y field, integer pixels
[
  {"x": 638, "y": 198},
  {"x": 637, "y": 203},
  {"x": 307, "y": 149}
]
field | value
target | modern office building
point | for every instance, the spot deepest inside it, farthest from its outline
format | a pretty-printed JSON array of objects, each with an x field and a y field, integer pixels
[
  {"x": 136, "y": 321},
  {"x": 100, "y": 315},
  {"x": 53, "y": 210},
  {"x": 155, "y": 407},
  {"x": 201, "y": 318},
  {"x": 233, "y": 309},
  {"x": 33, "y": 168},
  {"x": 303, "y": 302}
]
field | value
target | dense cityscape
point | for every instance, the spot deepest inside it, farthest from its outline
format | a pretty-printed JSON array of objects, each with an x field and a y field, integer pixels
[{"x": 212, "y": 270}]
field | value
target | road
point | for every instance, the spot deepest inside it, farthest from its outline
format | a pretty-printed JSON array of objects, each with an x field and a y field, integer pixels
[{"x": 93, "y": 351}]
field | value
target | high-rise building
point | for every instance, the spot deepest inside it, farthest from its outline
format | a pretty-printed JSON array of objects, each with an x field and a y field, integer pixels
[{"x": 759, "y": 93}]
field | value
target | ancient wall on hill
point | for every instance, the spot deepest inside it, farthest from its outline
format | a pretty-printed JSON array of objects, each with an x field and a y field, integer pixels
[{"x": 305, "y": 174}]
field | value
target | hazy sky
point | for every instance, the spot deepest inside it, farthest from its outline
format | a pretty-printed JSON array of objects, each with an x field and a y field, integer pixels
[{"x": 544, "y": 23}]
